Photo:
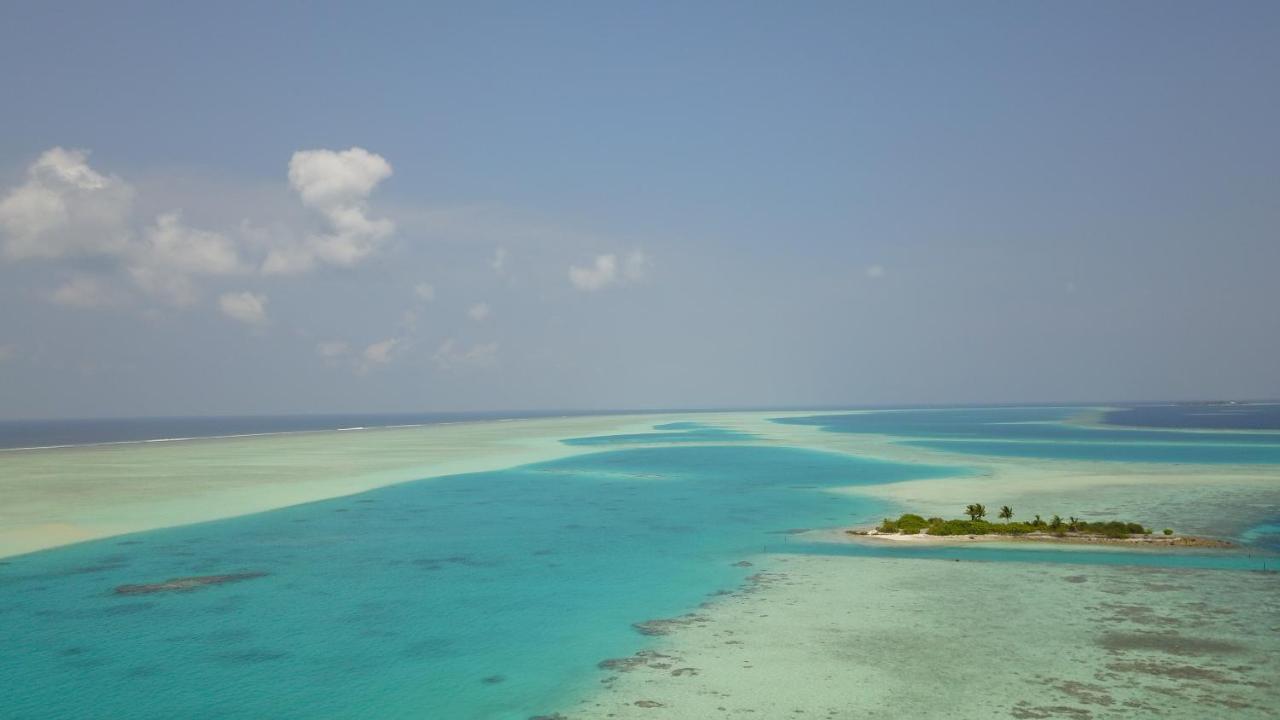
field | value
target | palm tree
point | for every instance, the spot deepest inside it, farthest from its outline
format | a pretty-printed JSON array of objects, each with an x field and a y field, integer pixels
[
  {"x": 1037, "y": 522},
  {"x": 1006, "y": 513},
  {"x": 1055, "y": 522},
  {"x": 1072, "y": 523},
  {"x": 976, "y": 511}
]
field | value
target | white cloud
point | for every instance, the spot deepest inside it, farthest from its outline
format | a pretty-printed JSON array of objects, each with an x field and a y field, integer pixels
[
  {"x": 875, "y": 271},
  {"x": 332, "y": 349},
  {"x": 86, "y": 291},
  {"x": 337, "y": 185},
  {"x": 424, "y": 291},
  {"x": 288, "y": 259},
  {"x": 65, "y": 208},
  {"x": 499, "y": 260},
  {"x": 596, "y": 277},
  {"x": 479, "y": 311},
  {"x": 247, "y": 307},
  {"x": 186, "y": 250},
  {"x": 170, "y": 253},
  {"x": 449, "y": 356},
  {"x": 606, "y": 271}
]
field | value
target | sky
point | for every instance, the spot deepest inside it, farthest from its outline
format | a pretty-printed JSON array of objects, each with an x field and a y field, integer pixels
[{"x": 264, "y": 208}]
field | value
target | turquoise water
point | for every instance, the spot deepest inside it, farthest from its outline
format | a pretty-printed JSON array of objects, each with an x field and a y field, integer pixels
[
  {"x": 1193, "y": 453},
  {"x": 488, "y": 595},
  {"x": 1253, "y": 559},
  {"x": 690, "y": 432},
  {"x": 1047, "y": 433}
]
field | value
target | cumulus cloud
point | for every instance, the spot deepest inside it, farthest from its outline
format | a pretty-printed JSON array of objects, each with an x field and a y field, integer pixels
[
  {"x": 451, "y": 356},
  {"x": 607, "y": 271},
  {"x": 499, "y": 263},
  {"x": 335, "y": 184},
  {"x": 170, "y": 253},
  {"x": 86, "y": 291},
  {"x": 479, "y": 311},
  {"x": 875, "y": 271},
  {"x": 66, "y": 208},
  {"x": 249, "y": 308},
  {"x": 600, "y": 275},
  {"x": 425, "y": 292}
]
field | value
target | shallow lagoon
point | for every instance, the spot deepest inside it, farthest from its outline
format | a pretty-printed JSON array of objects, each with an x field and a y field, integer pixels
[{"x": 483, "y": 595}]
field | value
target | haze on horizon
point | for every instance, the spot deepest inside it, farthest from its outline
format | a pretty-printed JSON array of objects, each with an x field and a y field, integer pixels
[{"x": 244, "y": 209}]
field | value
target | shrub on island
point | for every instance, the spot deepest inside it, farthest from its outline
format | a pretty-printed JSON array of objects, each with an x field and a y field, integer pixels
[{"x": 912, "y": 524}]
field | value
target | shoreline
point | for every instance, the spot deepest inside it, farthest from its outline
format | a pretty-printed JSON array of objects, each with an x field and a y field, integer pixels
[{"x": 1143, "y": 541}]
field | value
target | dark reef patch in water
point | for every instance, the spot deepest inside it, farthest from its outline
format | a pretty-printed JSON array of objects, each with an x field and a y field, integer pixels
[
  {"x": 186, "y": 584},
  {"x": 669, "y": 625},
  {"x": 1171, "y": 643}
]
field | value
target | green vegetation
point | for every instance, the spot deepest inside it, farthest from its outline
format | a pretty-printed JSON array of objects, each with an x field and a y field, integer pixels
[
  {"x": 1167, "y": 531},
  {"x": 912, "y": 524}
]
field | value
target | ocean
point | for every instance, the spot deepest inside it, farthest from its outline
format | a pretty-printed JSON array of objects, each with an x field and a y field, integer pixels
[{"x": 495, "y": 594}]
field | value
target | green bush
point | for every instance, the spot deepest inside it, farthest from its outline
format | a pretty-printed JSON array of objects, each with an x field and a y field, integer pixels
[{"x": 912, "y": 524}]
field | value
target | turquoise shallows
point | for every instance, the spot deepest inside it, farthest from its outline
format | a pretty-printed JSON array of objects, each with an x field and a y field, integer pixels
[
  {"x": 1191, "y": 453},
  {"x": 489, "y": 595},
  {"x": 676, "y": 432}
]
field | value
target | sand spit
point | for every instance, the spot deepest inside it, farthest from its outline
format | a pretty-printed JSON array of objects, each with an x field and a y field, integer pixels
[{"x": 65, "y": 495}]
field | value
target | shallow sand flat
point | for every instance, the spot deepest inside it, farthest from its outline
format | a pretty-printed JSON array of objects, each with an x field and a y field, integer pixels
[
  {"x": 1209, "y": 500},
  {"x": 57, "y": 496},
  {"x": 824, "y": 637}
]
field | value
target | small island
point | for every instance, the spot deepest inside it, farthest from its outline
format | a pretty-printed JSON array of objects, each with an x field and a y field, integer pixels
[{"x": 910, "y": 526}]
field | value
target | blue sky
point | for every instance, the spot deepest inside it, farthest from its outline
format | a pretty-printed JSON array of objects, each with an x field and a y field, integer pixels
[{"x": 227, "y": 208}]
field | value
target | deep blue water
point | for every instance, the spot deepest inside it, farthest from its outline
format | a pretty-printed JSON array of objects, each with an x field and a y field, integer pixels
[
  {"x": 1049, "y": 433},
  {"x": 1255, "y": 416},
  {"x": 400, "y": 602}
]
